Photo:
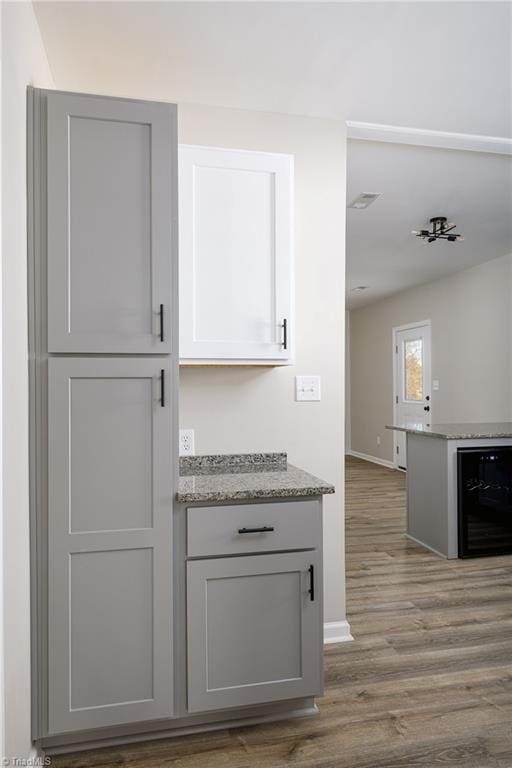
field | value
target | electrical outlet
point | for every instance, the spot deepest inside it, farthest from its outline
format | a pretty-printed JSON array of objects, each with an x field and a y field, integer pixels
[
  {"x": 435, "y": 385},
  {"x": 378, "y": 439},
  {"x": 187, "y": 442},
  {"x": 307, "y": 387}
]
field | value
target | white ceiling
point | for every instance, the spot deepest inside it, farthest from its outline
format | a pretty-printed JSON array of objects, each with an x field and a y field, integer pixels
[
  {"x": 437, "y": 65},
  {"x": 472, "y": 189},
  {"x": 433, "y": 65}
]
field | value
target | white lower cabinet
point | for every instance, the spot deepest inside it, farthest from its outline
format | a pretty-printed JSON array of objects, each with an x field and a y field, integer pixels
[{"x": 254, "y": 629}]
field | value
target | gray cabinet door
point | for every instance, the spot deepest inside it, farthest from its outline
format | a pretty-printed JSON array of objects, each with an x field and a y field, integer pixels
[
  {"x": 110, "y": 501},
  {"x": 111, "y": 224},
  {"x": 254, "y": 631}
]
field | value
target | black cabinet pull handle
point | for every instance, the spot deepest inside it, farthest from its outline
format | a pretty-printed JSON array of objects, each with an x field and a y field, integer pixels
[
  {"x": 162, "y": 388},
  {"x": 263, "y": 529},
  {"x": 426, "y": 407},
  {"x": 285, "y": 333},
  {"x": 311, "y": 590},
  {"x": 161, "y": 322}
]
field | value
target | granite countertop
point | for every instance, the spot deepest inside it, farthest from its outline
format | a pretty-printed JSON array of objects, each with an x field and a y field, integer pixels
[
  {"x": 464, "y": 431},
  {"x": 245, "y": 476}
]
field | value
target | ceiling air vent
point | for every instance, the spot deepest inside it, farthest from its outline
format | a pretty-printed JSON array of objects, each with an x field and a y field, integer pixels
[{"x": 364, "y": 200}]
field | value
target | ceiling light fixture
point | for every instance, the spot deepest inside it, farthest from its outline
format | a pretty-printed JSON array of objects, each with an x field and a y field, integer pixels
[
  {"x": 364, "y": 200},
  {"x": 441, "y": 230}
]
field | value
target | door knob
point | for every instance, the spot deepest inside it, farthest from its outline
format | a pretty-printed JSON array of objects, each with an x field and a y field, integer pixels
[{"x": 426, "y": 407}]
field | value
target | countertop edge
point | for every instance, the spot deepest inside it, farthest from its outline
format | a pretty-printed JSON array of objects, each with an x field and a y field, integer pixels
[
  {"x": 455, "y": 436},
  {"x": 283, "y": 493},
  {"x": 410, "y": 431}
]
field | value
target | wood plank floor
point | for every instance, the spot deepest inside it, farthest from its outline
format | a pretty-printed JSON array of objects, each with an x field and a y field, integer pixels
[{"x": 427, "y": 682}]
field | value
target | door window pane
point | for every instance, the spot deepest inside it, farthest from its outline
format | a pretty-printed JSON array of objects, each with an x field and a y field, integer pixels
[{"x": 413, "y": 369}]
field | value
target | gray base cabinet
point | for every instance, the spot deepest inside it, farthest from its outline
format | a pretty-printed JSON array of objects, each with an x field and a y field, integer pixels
[{"x": 253, "y": 629}]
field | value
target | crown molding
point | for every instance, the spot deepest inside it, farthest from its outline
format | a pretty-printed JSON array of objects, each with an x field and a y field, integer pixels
[{"x": 420, "y": 137}]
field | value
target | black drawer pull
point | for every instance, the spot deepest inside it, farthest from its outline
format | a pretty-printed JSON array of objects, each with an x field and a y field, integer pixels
[
  {"x": 311, "y": 590},
  {"x": 263, "y": 529}
]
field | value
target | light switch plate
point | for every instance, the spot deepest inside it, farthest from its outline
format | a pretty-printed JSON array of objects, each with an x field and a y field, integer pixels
[
  {"x": 307, "y": 388},
  {"x": 435, "y": 385},
  {"x": 187, "y": 442}
]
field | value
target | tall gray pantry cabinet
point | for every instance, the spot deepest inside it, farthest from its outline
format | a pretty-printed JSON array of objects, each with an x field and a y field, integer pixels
[
  {"x": 152, "y": 613},
  {"x": 103, "y": 364}
]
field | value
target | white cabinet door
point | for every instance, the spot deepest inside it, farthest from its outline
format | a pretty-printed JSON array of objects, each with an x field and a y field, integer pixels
[{"x": 235, "y": 255}]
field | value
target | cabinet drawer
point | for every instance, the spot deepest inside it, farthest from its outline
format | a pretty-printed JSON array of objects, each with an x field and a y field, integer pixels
[{"x": 235, "y": 529}]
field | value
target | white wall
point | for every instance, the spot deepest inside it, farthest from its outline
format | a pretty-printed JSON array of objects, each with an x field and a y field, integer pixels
[
  {"x": 23, "y": 63},
  {"x": 471, "y": 314},
  {"x": 253, "y": 409},
  {"x": 348, "y": 412}
]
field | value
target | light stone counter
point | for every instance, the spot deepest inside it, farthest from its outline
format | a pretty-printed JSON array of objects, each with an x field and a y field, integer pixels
[
  {"x": 245, "y": 476},
  {"x": 464, "y": 431}
]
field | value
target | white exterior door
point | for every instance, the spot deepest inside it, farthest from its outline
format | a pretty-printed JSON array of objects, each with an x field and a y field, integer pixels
[
  {"x": 412, "y": 401},
  {"x": 235, "y": 255}
]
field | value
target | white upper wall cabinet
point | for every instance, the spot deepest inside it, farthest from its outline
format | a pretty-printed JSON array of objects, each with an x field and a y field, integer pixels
[{"x": 236, "y": 219}]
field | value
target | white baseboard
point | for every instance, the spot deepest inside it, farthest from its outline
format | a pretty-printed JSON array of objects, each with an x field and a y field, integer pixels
[
  {"x": 336, "y": 632},
  {"x": 373, "y": 459}
]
